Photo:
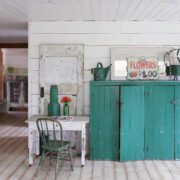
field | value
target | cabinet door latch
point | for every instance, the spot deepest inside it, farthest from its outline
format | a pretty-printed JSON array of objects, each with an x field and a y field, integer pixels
[
  {"x": 146, "y": 149},
  {"x": 173, "y": 101},
  {"x": 121, "y": 103}
]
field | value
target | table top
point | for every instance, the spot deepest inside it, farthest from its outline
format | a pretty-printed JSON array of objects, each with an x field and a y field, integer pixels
[{"x": 76, "y": 118}]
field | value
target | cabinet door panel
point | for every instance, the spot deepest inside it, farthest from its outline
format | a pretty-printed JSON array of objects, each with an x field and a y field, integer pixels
[
  {"x": 132, "y": 123},
  {"x": 159, "y": 122},
  {"x": 104, "y": 123},
  {"x": 177, "y": 122}
]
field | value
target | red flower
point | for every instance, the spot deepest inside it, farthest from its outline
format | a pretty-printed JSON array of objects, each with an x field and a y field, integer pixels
[{"x": 66, "y": 99}]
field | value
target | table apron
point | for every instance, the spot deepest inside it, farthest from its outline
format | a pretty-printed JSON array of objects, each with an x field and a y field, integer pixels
[{"x": 65, "y": 126}]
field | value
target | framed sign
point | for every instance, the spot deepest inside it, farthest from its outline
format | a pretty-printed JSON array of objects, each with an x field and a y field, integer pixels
[
  {"x": 138, "y": 63},
  {"x": 142, "y": 67}
]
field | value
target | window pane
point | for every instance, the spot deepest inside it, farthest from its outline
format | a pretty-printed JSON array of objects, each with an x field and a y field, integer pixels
[{"x": 120, "y": 68}]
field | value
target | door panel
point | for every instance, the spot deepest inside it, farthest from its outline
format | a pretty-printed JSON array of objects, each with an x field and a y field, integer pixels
[
  {"x": 104, "y": 123},
  {"x": 159, "y": 122},
  {"x": 177, "y": 122},
  {"x": 132, "y": 123}
]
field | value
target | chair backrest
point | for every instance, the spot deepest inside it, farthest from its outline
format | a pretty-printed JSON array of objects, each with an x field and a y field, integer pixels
[{"x": 50, "y": 130}]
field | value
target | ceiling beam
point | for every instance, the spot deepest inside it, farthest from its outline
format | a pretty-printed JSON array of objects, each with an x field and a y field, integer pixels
[{"x": 13, "y": 45}]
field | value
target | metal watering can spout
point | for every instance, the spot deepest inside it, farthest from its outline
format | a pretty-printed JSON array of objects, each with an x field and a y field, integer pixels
[
  {"x": 99, "y": 72},
  {"x": 107, "y": 69}
]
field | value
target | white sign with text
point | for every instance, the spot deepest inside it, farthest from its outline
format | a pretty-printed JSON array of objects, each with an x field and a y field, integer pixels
[{"x": 142, "y": 67}]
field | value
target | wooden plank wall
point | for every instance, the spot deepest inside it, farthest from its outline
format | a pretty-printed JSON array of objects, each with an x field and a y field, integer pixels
[{"x": 98, "y": 38}]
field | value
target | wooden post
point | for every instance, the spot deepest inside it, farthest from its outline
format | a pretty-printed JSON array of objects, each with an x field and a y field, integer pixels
[{"x": 1, "y": 75}]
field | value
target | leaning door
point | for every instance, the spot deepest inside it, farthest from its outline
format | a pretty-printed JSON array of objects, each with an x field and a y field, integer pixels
[
  {"x": 159, "y": 122},
  {"x": 132, "y": 123}
]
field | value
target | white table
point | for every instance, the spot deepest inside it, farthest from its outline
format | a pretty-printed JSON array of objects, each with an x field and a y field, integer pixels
[{"x": 77, "y": 124}]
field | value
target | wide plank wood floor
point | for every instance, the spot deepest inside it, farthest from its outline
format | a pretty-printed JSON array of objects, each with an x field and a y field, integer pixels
[{"x": 14, "y": 161}]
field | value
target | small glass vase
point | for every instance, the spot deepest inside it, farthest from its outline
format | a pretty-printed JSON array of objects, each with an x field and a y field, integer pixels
[{"x": 66, "y": 109}]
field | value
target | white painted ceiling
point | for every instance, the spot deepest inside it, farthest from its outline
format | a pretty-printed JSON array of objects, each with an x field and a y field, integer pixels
[{"x": 14, "y": 14}]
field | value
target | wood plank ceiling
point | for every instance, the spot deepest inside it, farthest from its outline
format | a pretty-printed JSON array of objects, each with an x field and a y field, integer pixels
[
  {"x": 104, "y": 10},
  {"x": 15, "y": 14}
]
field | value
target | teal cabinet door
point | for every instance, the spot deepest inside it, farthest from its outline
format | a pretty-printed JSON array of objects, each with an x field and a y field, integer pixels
[
  {"x": 132, "y": 123},
  {"x": 159, "y": 122},
  {"x": 177, "y": 122},
  {"x": 104, "y": 122}
]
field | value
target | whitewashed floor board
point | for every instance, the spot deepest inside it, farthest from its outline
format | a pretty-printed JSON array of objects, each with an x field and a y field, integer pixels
[{"x": 14, "y": 161}]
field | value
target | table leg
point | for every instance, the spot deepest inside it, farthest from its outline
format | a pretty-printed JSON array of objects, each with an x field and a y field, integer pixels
[
  {"x": 30, "y": 145},
  {"x": 83, "y": 144},
  {"x": 37, "y": 143}
]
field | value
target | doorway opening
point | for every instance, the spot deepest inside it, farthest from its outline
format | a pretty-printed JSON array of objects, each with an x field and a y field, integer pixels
[{"x": 13, "y": 80}]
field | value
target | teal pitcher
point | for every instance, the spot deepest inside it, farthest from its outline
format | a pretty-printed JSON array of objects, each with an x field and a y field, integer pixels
[{"x": 100, "y": 73}]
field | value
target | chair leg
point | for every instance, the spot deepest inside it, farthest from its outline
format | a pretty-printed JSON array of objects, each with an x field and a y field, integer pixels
[
  {"x": 70, "y": 154},
  {"x": 50, "y": 158},
  {"x": 57, "y": 165},
  {"x": 40, "y": 161}
]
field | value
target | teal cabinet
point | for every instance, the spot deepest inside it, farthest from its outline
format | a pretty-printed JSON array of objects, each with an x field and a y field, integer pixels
[
  {"x": 177, "y": 122},
  {"x": 132, "y": 123},
  {"x": 159, "y": 122},
  {"x": 134, "y": 120},
  {"x": 104, "y": 123}
]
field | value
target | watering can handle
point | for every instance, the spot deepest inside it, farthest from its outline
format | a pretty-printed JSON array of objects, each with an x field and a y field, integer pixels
[{"x": 99, "y": 63}]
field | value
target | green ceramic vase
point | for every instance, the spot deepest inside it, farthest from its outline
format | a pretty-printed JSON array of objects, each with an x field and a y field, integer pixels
[
  {"x": 66, "y": 109},
  {"x": 54, "y": 106}
]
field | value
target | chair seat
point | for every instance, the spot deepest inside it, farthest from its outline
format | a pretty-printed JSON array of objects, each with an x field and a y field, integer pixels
[{"x": 59, "y": 145}]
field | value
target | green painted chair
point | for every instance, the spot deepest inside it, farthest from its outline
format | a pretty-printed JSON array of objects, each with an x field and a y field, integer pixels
[{"x": 51, "y": 135}]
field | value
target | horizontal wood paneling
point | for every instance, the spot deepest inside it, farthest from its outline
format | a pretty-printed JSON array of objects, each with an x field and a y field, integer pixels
[
  {"x": 86, "y": 94},
  {"x": 35, "y": 89},
  {"x": 82, "y": 27},
  {"x": 87, "y": 76},
  {"x": 34, "y": 110},
  {"x": 94, "y": 51},
  {"x": 92, "y": 62},
  {"x": 34, "y": 100},
  {"x": 34, "y": 64},
  {"x": 98, "y": 38},
  {"x": 106, "y": 39},
  {"x": 34, "y": 76}
]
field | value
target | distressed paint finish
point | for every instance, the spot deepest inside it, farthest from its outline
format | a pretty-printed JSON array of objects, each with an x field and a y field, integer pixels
[
  {"x": 156, "y": 127},
  {"x": 132, "y": 123},
  {"x": 177, "y": 122},
  {"x": 135, "y": 82},
  {"x": 159, "y": 122},
  {"x": 104, "y": 123},
  {"x": 57, "y": 50}
]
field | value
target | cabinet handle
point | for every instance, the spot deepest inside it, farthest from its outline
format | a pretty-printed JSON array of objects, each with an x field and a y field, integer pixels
[
  {"x": 121, "y": 103},
  {"x": 173, "y": 102},
  {"x": 146, "y": 149}
]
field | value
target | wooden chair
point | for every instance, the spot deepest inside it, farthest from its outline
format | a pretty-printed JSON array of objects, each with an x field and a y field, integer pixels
[{"x": 51, "y": 135}]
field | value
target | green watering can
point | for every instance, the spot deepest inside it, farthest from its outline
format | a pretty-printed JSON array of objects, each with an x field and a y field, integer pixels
[
  {"x": 173, "y": 70},
  {"x": 99, "y": 72}
]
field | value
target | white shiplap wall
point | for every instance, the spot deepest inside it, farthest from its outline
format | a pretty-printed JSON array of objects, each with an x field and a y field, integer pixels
[{"x": 98, "y": 38}]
